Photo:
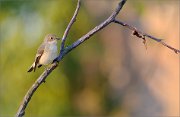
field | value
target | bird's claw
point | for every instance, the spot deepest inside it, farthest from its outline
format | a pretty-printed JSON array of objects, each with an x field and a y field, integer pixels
[{"x": 55, "y": 60}]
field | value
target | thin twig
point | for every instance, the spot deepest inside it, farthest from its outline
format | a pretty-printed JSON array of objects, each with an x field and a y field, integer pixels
[
  {"x": 137, "y": 32},
  {"x": 69, "y": 26}
]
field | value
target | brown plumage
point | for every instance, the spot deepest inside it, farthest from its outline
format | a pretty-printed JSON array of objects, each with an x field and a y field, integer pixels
[{"x": 40, "y": 51}]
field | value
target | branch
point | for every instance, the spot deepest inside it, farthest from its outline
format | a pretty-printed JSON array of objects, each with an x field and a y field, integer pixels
[
  {"x": 142, "y": 35},
  {"x": 69, "y": 26},
  {"x": 109, "y": 20},
  {"x": 43, "y": 76},
  {"x": 66, "y": 50},
  {"x": 63, "y": 52},
  {"x": 31, "y": 91}
]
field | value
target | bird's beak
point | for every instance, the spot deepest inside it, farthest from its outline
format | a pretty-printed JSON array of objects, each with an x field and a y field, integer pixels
[{"x": 58, "y": 38}]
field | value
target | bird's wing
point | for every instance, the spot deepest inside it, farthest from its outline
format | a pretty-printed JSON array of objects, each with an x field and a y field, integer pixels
[{"x": 39, "y": 53}]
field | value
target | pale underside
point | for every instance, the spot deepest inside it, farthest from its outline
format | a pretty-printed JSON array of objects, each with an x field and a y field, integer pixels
[{"x": 49, "y": 54}]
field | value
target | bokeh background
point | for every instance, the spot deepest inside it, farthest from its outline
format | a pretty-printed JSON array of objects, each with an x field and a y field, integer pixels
[{"x": 111, "y": 74}]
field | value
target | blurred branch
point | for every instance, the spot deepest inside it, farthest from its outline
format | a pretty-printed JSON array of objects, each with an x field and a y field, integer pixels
[
  {"x": 64, "y": 51},
  {"x": 142, "y": 35}
]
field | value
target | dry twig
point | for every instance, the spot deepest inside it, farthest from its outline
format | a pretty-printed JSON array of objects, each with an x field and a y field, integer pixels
[
  {"x": 69, "y": 26},
  {"x": 142, "y": 35},
  {"x": 64, "y": 51}
]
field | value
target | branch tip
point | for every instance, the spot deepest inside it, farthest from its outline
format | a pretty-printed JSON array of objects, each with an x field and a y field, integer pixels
[{"x": 142, "y": 35}]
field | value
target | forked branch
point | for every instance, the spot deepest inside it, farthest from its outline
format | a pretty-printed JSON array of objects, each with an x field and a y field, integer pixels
[
  {"x": 69, "y": 27},
  {"x": 65, "y": 50}
]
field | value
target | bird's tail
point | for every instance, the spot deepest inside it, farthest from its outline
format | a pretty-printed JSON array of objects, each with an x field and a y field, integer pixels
[{"x": 33, "y": 67}]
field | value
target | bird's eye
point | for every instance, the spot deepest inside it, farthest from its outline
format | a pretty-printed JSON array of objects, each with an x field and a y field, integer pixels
[{"x": 51, "y": 38}]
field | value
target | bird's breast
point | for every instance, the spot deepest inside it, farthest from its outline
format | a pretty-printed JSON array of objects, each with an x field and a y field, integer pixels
[{"x": 50, "y": 53}]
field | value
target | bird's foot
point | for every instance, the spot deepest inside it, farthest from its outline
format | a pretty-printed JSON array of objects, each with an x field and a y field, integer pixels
[
  {"x": 44, "y": 81},
  {"x": 47, "y": 68},
  {"x": 55, "y": 60}
]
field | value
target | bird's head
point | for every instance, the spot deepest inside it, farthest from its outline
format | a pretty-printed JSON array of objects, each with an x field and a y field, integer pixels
[{"x": 51, "y": 39}]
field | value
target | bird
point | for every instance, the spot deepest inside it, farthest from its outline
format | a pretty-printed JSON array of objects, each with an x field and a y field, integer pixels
[{"x": 46, "y": 52}]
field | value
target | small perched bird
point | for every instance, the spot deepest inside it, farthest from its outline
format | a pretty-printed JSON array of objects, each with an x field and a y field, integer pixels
[{"x": 46, "y": 53}]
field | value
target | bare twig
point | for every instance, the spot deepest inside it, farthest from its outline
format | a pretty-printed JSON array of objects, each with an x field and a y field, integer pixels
[
  {"x": 142, "y": 35},
  {"x": 66, "y": 50},
  {"x": 69, "y": 26}
]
